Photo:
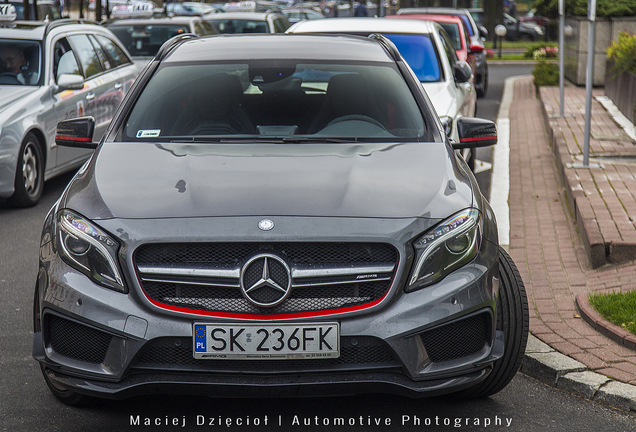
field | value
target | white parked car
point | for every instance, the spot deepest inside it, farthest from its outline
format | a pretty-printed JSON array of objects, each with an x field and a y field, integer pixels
[{"x": 429, "y": 51}]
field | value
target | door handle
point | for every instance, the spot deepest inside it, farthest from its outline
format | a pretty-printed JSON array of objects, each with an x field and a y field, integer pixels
[
  {"x": 90, "y": 96},
  {"x": 118, "y": 86}
]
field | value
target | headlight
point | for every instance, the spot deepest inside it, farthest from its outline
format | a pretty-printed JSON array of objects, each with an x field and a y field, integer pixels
[
  {"x": 448, "y": 246},
  {"x": 89, "y": 249},
  {"x": 539, "y": 30}
]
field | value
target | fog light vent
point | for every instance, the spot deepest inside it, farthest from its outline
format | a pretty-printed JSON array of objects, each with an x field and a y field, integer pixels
[
  {"x": 77, "y": 341},
  {"x": 457, "y": 339}
]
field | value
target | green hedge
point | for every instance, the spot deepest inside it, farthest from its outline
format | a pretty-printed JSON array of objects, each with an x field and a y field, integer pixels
[
  {"x": 623, "y": 53},
  {"x": 604, "y": 8}
]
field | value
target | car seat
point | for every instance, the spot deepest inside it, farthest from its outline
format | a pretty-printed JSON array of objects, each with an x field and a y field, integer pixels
[
  {"x": 215, "y": 108},
  {"x": 347, "y": 95}
]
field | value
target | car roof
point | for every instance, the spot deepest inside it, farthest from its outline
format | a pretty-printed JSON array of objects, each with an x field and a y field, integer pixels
[
  {"x": 241, "y": 15},
  {"x": 431, "y": 17},
  {"x": 179, "y": 19},
  {"x": 37, "y": 30},
  {"x": 242, "y": 47},
  {"x": 439, "y": 10},
  {"x": 32, "y": 30},
  {"x": 364, "y": 25}
]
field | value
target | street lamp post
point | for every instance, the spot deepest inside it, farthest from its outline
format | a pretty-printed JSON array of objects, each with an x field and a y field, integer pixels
[{"x": 500, "y": 32}]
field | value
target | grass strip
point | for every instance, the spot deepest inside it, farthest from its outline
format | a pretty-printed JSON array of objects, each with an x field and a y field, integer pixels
[{"x": 617, "y": 308}]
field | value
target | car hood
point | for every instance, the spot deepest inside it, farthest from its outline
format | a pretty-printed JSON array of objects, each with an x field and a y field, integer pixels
[
  {"x": 442, "y": 98},
  {"x": 143, "y": 180},
  {"x": 10, "y": 94}
]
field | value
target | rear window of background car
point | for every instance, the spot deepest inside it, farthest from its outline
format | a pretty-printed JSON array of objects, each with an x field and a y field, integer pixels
[{"x": 420, "y": 54}]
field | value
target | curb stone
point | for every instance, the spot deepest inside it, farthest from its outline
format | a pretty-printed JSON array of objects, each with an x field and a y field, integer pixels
[{"x": 560, "y": 371}]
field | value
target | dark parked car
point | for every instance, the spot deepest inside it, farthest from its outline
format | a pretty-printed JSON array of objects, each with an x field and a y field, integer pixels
[
  {"x": 522, "y": 31},
  {"x": 276, "y": 215},
  {"x": 144, "y": 36},
  {"x": 532, "y": 17}
]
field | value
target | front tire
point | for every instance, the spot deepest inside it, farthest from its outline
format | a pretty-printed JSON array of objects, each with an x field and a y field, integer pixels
[
  {"x": 513, "y": 321},
  {"x": 29, "y": 176}
]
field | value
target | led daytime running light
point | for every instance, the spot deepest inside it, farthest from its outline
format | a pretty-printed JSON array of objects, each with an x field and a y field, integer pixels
[
  {"x": 83, "y": 230},
  {"x": 462, "y": 222}
]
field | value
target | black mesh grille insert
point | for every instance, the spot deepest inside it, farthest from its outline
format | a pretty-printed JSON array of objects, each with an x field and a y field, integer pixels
[
  {"x": 77, "y": 341},
  {"x": 457, "y": 339},
  {"x": 237, "y": 253},
  {"x": 209, "y": 295},
  {"x": 177, "y": 353}
]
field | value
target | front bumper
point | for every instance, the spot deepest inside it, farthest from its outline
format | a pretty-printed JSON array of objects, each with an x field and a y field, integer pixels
[
  {"x": 333, "y": 384},
  {"x": 107, "y": 337}
]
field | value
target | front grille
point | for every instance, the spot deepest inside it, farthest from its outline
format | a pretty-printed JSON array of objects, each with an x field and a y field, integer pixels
[
  {"x": 458, "y": 339},
  {"x": 205, "y": 277},
  {"x": 237, "y": 253},
  {"x": 356, "y": 353},
  {"x": 77, "y": 341}
]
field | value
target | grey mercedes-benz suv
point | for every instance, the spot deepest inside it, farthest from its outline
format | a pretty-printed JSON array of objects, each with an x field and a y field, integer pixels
[{"x": 264, "y": 218}]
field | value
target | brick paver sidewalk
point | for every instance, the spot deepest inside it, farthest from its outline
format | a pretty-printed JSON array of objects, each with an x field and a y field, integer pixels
[{"x": 545, "y": 243}]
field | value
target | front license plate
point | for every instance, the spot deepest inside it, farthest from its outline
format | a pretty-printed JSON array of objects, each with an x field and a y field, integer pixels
[{"x": 266, "y": 342}]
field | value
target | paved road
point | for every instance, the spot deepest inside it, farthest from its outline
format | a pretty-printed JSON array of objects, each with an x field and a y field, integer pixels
[
  {"x": 488, "y": 108},
  {"x": 26, "y": 405}
]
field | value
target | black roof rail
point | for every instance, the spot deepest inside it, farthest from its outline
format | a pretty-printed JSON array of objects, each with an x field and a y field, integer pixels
[
  {"x": 66, "y": 21},
  {"x": 173, "y": 42},
  {"x": 386, "y": 43}
]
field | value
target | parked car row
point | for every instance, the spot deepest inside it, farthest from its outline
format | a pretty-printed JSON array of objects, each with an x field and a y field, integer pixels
[{"x": 477, "y": 36}]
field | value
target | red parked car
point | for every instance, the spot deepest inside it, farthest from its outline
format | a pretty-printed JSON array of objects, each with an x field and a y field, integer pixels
[{"x": 532, "y": 16}]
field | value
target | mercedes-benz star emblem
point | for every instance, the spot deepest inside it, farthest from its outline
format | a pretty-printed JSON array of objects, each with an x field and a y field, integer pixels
[
  {"x": 266, "y": 224},
  {"x": 265, "y": 280}
]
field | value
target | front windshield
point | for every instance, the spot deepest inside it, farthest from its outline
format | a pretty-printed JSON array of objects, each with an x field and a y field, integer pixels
[
  {"x": 20, "y": 62},
  {"x": 283, "y": 99},
  {"x": 144, "y": 40}
]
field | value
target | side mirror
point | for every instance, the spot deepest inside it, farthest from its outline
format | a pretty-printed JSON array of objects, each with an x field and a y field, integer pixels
[
  {"x": 462, "y": 72},
  {"x": 483, "y": 31},
  {"x": 476, "y": 49},
  {"x": 475, "y": 132},
  {"x": 69, "y": 82},
  {"x": 77, "y": 132}
]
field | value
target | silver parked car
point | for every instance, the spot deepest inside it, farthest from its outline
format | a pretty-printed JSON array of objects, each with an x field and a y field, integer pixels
[
  {"x": 51, "y": 72},
  {"x": 277, "y": 215},
  {"x": 248, "y": 22}
]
